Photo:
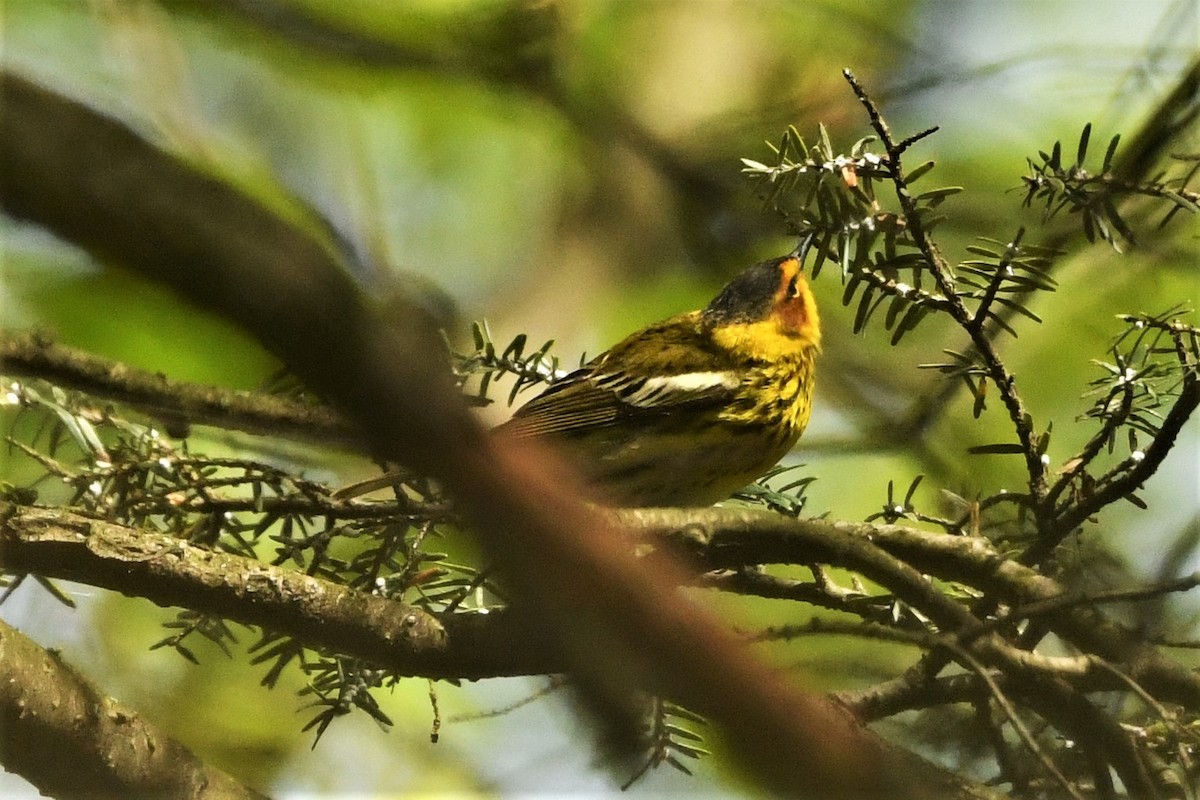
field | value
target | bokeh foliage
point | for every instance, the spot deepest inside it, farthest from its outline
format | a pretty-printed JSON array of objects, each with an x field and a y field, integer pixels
[{"x": 570, "y": 171}]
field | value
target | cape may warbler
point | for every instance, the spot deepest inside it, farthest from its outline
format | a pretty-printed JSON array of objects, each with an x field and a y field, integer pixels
[{"x": 688, "y": 410}]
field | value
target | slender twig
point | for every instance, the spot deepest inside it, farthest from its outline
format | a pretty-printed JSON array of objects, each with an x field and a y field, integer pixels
[
  {"x": 938, "y": 267},
  {"x": 554, "y": 683},
  {"x": 942, "y": 275},
  {"x": 436, "y": 726},
  {"x": 1124, "y": 478},
  {"x": 821, "y": 626},
  {"x": 51, "y": 465},
  {"x": 959, "y": 652},
  {"x": 305, "y": 506},
  {"x": 1150, "y": 700},
  {"x": 975, "y": 327},
  {"x": 1142, "y": 593},
  {"x": 1093, "y": 446},
  {"x": 175, "y": 402},
  {"x": 1009, "y": 767},
  {"x": 915, "y": 296},
  {"x": 897, "y": 695},
  {"x": 1014, "y": 718},
  {"x": 765, "y": 585},
  {"x": 1182, "y": 644}
]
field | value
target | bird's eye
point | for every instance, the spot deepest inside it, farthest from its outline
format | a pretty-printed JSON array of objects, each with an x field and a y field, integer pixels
[{"x": 793, "y": 290}]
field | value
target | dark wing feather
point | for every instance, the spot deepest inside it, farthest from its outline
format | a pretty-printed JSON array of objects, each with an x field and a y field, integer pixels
[
  {"x": 603, "y": 393},
  {"x": 573, "y": 403}
]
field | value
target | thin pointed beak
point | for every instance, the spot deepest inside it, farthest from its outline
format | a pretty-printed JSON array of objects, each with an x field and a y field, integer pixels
[{"x": 802, "y": 247}]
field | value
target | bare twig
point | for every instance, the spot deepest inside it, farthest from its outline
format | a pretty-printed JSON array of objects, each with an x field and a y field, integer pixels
[
  {"x": 762, "y": 584},
  {"x": 1018, "y": 724},
  {"x": 1141, "y": 593}
]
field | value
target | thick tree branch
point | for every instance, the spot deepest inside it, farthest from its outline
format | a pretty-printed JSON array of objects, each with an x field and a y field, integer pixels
[
  {"x": 68, "y": 739},
  {"x": 170, "y": 572}
]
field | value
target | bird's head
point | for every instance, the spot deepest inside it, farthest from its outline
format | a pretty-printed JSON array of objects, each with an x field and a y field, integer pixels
[{"x": 767, "y": 310}]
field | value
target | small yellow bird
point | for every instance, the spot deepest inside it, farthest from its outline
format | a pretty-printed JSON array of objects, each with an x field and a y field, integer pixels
[{"x": 691, "y": 409}]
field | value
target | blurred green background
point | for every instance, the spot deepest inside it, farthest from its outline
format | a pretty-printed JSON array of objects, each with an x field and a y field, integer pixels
[{"x": 570, "y": 170}]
